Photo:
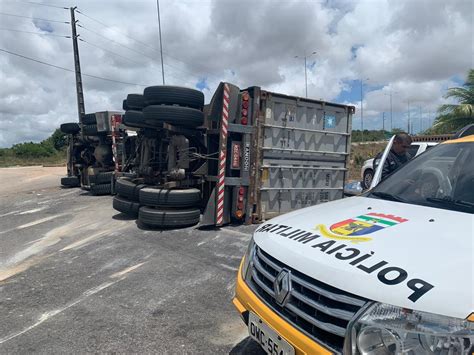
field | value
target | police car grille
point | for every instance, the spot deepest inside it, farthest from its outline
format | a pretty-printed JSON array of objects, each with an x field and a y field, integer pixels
[{"x": 321, "y": 311}]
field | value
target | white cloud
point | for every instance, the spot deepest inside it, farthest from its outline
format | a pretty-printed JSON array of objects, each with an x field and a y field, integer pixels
[{"x": 415, "y": 47}]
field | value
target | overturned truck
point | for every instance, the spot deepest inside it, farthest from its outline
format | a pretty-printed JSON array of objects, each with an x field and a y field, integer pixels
[{"x": 247, "y": 156}]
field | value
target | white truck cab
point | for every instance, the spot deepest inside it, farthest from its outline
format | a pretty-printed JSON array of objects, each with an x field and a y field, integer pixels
[{"x": 388, "y": 272}]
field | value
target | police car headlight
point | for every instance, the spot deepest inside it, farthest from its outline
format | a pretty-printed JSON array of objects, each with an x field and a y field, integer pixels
[
  {"x": 248, "y": 258},
  {"x": 385, "y": 330}
]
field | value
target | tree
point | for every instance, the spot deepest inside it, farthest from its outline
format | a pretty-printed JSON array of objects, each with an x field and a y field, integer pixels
[
  {"x": 452, "y": 117},
  {"x": 58, "y": 139}
]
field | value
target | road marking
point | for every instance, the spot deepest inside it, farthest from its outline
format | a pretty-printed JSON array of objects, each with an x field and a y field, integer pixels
[
  {"x": 45, "y": 316},
  {"x": 81, "y": 242},
  {"x": 9, "y": 213},
  {"x": 230, "y": 231},
  {"x": 39, "y": 221},
  {"x": 126, "y": 271},
  {"x": 32, "y": 211},
  {"x": 228, "y": 267}
]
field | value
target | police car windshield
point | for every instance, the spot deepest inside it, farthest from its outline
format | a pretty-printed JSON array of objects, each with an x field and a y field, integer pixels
[{"x": 442, "y": 178}]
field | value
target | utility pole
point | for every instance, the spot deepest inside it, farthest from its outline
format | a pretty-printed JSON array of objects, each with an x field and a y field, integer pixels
[
  {"x": 306, "y": 71},
  {"x": 81, "y": 110},
  {"x": 362, "y": 107},
  {"x": 391, "y": 107},
  {"x": 161, "y": 42},
  {"x": 408, "y": 102},
  {"x": 421, "y": 120},
  {"x": 383, "y": 122}
]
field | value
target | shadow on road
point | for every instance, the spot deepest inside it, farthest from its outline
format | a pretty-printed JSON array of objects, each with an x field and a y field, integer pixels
[{"x": 247, "y": 347}]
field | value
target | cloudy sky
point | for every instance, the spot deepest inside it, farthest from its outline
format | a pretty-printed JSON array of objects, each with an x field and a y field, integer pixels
[{"x": 414, "y": 48}]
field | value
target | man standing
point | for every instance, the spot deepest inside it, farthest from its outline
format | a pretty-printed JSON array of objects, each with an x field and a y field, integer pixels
[{"x": 397, "y": 156}]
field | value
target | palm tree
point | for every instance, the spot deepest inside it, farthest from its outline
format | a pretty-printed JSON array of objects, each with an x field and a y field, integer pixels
[{"x": 452, "y": 117}]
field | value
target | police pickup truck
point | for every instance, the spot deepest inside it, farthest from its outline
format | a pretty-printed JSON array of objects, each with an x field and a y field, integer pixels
[{"x": 387, "y": 272}]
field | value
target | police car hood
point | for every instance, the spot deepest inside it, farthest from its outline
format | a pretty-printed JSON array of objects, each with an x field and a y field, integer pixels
[{"x": 406, "y": 255}]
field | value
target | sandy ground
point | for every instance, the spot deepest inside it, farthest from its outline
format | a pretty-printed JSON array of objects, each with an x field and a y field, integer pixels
[
  {"x": 78, "y": 277},
  {"x": 29, "y": 178}
]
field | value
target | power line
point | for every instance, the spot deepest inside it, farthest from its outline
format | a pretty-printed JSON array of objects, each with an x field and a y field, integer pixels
[
  {"x": 69, "y": 70},
  {"x": 106, "y": 50},
  {"x": 118, "y": 43},
  {"x": 143, "y": 43},
  {"x": 34, "y": 18},
  {"x": 114, "y": 29},
  {"x": 133, "y": 50},
  {"x": 48, "y": 5},
  {"x": 34, "y": 33}
]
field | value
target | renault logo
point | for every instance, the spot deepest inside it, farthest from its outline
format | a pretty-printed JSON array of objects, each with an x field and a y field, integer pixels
[{"x": 282, "y": 287}]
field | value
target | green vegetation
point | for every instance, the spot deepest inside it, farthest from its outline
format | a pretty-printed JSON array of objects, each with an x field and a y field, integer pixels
[
  {"x": 372, "y": 136},
  {"x": 51, "y": 151},
  {"x": 452, "y": 117}
]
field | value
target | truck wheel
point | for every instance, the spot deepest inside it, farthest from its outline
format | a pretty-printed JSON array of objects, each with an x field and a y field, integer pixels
[
  {"x": 175, "y": 115},
  {"x": 135, "y": 102},
  {"x": 169, "y": 198},
  {"x": 123, "y": 205},
  {"x": 89, "y": 118},
  {"x": 90, "y": 130},
  {"x": 367, "y": 179},
  {"x": 101, "y": 178},
  {"x": 70, "y": 181},
  {"x": 173, "y": 95},
  {"x": 70, "y": 128},
  {"x": 155, "y": 217},
  {"x": 128, "y": 189},
  {"x": 134, "y": 118},
  {"x": 101, "y": 189}
]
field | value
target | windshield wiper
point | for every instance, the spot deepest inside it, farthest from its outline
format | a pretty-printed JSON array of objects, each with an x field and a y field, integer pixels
[
  {"x": 387, "y": 196},
  {"x": 450, "y": 201}
]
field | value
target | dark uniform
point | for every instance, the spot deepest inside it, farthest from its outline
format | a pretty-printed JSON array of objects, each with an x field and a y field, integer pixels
[{"x": 392, "y": 163}]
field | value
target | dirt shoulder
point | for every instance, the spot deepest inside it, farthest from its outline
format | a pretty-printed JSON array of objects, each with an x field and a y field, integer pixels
[{"x": 22, "y": 179}]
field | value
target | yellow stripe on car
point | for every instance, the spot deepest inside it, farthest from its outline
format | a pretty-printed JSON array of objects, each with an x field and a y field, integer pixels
[
  {"x": 246, "y": 300},
  {"x": 467, "y": 139}
]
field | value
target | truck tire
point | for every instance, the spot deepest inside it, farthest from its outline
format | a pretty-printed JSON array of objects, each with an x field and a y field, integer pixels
[
  {"x": 70, "y": 128},
  {"x": 128, "y": 189},
  {"x": 367, "y": 178},
  {"x": 165, "y": 218},
  {"x": 90, "y": 130},
  {"x": 135, "y": 102},
  {"x": 123, "y": 205},
  {"x": 70, "y": 181},
  {"x": 150, "y": 196},
  {"x": 101, "y": 189},
  {"x": 101, "y": 178},
  {"x": 173, "y": 95},
  {"x": 133, "y": 118},
  {"x": 124, "y": 105},
  {"x": 89, "y": 118},
  {"x": 175, "y": 115}
]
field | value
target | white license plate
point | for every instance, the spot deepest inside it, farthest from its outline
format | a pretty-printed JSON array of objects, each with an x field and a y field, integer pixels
[{"x": 268, "y": 339}]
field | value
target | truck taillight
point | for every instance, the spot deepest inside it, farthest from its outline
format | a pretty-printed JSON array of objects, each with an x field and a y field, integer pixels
[
  {"x": 244, "y": 109},
  {"x": 239, "y": 213}
]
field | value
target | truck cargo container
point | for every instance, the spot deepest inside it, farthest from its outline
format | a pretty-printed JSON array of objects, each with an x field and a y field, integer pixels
[{"x": 272, "y": 153}]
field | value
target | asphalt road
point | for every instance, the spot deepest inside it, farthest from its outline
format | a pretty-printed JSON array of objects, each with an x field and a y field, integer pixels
[{"x": 78, "y": 277}]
